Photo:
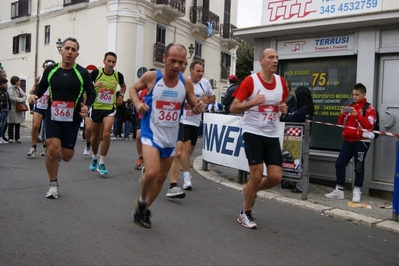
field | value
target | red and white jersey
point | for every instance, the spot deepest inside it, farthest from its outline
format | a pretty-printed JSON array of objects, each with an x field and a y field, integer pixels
[{"x": 263, "y": 119}]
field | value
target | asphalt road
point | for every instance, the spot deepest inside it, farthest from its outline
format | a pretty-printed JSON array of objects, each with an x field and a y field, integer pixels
[{"x": 90, "y": 223}]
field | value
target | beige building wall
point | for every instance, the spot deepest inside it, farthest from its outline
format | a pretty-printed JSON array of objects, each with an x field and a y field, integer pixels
[{"x": 126, "y": 27}]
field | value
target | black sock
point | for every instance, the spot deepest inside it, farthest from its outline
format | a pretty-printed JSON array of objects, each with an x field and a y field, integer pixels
[
  {"x": 248, "y": 212},
  {"x": 172, "y": 185},
  {"x": 53, "y": 182},
  {"x": 34, "y": 146},
  {"x": 88, "y": 144}
]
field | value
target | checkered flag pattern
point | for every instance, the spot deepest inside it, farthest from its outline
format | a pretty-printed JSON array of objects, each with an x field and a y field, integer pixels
[{"x": 294, "y": 131}]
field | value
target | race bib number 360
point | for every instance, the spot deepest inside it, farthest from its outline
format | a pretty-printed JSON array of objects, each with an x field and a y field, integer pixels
[
  {"x": 167, "y": 113},
  {"x": 268, "y": 115},
  {"x": 62, "y": 111}
]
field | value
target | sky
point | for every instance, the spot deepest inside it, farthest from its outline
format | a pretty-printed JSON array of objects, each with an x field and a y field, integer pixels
[{"x": 249, "y": 13}]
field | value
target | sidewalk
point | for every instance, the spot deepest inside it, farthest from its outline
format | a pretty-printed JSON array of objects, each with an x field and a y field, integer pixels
[{"x": 380, "y": 216}]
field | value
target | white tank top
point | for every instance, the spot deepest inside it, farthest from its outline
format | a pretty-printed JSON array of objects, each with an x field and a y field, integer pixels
[
  {"x": 161, "y": 123},
  {"x": 264, "y": 119}
]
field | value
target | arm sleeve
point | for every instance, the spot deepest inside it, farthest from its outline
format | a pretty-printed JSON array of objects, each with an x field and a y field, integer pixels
[
  {"x": 89, "y": 89},
  {"x": 368, "y": 121},
  {"x": 43, "y": 83},
  {"x": 297, "y": 116},
  {"x": 94, "y": 75},
  {"x": 121, "y": 78},
  {"x": 245, "y": 89}
]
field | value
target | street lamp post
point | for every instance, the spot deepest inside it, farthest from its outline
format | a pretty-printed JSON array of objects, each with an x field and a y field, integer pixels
[
  {"x": 59, "y": 45},
  {"x": 190, "y": 50}
]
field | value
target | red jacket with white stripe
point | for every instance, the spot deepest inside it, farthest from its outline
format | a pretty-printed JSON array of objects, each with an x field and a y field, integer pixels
[{"x": 358, "y": 122}]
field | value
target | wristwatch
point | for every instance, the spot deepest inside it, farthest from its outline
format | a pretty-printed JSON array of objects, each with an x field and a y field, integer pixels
[{"x": 122, "y": 94}]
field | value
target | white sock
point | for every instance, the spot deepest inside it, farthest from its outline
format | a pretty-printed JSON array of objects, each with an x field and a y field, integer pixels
[
  {"x": 94, "y": 156},
  {"x": 357, "y": 189},
  {"x": 186, "y": 174},
  {"x": 340, "y": 187},
  {"x": 102, "y": 159}
]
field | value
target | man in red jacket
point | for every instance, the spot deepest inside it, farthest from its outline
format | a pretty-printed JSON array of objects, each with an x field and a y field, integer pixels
[{"x": 356, "y": 142}]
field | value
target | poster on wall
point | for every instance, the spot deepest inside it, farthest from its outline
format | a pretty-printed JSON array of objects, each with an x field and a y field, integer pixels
[{"x": 330, "y": 81}]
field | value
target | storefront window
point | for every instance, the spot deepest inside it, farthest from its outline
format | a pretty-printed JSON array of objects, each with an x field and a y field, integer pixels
[{"x": 331, "y": 81}]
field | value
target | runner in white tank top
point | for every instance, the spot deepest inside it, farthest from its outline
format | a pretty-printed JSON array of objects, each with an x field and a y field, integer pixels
[
  {"x": 261, "y": 96},
  {"x": 161, "y": 111}
]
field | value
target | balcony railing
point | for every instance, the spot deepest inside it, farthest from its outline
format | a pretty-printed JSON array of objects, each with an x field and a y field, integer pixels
[
  {"x": 226, "y": 32},
  {"x": 178, "y": 5},
  {"x": 200, "y": 15},
  {"x": 74, "y": 2},
  {"x": 225, "y": 72},
  {"x": 159, "y": 50}
]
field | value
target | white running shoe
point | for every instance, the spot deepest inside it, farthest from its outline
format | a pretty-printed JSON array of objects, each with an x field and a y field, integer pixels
[
  {"x": 246, "y": 220},
  {"x": 175, "y": 192},
  {"x": 357, "y": 195},
  {"x": 87, "y": 151},
  {"x": 52, "y": 193},
  {"x": 43, "y": 152},
  {"x": 32, "y": 152},
  {"x": 187, "y": 183},
  {"x": 335, "y": 194}
]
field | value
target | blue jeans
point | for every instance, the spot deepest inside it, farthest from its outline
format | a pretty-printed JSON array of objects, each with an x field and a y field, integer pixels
[
  {"x": 127, "y": 128},
  {"x": 357, "y": 150},
  {"x": 3, "y": 121}
]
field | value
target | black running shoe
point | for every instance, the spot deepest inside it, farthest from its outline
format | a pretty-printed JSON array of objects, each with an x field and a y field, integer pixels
[{"x": 141, "y": 215}]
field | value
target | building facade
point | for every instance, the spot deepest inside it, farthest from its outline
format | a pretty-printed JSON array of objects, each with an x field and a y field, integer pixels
[
  {"x": 136, "y": 30},
  {"x": 329, "y": 46}
]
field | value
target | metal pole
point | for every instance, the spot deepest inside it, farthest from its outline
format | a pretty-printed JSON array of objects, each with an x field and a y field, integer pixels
[
  {"x": 305, "y": 160},
  {"x": 395, "y": 200}
]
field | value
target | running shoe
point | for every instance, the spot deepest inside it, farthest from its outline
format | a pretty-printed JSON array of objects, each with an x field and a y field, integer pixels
[
  {"x": 102, "y": 170},
  {"x": 86, "y": 151},
  {"x": 175, "y": 192},
  {"x": 187, "y": 183},
  {"x": 93, "y": 165},
  {"x": 139, "y": 164},
  {"x": 3, "y": 141},
  {"x": 32, "y": 152},
  {"x": 246, "y": 220},
  {"x": 141, "y": 215},
  {"x": 52, "y": 193},
  {"x": 43, "y": 151},
  {"x": 10, "y": 140}
]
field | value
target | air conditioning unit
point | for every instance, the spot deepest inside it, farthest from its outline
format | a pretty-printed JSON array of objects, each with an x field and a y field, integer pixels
[{"x": 214, "y": 83}]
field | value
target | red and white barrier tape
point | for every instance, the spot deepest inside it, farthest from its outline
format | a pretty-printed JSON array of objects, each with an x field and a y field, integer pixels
[{"x": 362, "y": 129}]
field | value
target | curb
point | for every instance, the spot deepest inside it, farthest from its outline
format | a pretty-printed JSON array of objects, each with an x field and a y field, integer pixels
[{"x": 344, "y": 215}]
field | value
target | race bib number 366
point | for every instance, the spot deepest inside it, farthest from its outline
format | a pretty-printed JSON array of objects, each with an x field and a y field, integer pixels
[
  {"x": 167, "y": 113},
  {"x": 62, "y": 111}
]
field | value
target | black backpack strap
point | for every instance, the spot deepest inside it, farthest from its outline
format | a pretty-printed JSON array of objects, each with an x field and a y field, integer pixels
[{"x": 365, "y": 106}]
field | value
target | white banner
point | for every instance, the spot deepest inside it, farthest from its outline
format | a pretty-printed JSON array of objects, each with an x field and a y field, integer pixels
[{"x": 222, "y": 142}]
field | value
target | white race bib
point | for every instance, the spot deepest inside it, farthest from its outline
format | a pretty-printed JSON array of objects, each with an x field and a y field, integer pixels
[
  {"x": 166, "y": 114},
  {"x": 105, "y": 96},
  {"x": 42, "y": 103},
  {"x": 62, "y": 111},
  {"x": 268, "y": 116}
]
